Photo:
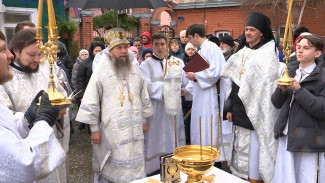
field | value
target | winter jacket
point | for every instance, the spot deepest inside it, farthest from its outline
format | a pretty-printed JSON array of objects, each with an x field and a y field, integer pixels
[
  {"x": 85, "y": 69},
  {"x": 179, "y": 54},
  {"x": 306, "y": 130},
  {"x": 239, "y": 115},
  {"x": 65, "y": 58},
  {"x": 148, "y": 43},
  {"x": 74, "y": 72},
  {"x": 186, "y": 59}
]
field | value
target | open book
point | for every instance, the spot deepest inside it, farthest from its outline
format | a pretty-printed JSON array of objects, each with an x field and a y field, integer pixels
[{"x": 196, "y": 64}]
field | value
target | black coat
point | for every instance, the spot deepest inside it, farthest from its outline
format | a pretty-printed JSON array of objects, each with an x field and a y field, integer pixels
[
  {"x": 85, "y": 70},
  {"x": 306, "y": 130},
  {"x": 237, "y": 108},
  {"x": 65, "y": 59}
]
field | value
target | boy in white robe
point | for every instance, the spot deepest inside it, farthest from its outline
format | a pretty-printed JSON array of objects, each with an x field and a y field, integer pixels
[
  {"x": 160, "y": 138},
  {"x": 207, "y": 101}
]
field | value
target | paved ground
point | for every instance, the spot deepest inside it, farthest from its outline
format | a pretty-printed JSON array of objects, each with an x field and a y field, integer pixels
[
  {"x": 80, "y": 153},
  {"x": 80, "y": 167}
]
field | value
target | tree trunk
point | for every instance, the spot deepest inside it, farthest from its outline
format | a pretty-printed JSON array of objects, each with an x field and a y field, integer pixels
[
  {"x": 301, "y": 12},
  {"x": 98, "y": 33}
]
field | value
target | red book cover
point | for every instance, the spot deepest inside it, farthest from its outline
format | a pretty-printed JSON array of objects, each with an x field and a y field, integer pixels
[{"x": 196, "y": 64}]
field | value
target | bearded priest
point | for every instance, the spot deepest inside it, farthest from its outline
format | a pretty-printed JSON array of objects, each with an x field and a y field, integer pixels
[{"x": 116, "y": 104}]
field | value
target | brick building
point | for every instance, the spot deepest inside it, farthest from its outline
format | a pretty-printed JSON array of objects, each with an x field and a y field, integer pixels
[
  {"x": 226, "y": 17},
  {"x": 220, "y": 17}
]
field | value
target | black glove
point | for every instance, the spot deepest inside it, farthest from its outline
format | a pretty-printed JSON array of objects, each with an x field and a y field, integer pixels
[
  {"x": 47, "y": 111},
  {"x": 31, "y": 112}
]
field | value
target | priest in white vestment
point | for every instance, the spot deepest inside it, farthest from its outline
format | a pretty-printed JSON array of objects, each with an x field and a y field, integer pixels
[
  {"x": 116, "y": 104},
  {"x": 106, "y": 52},
  {"x": 160, "y": 136},
  {"x": 254, "y": 73},
  {"x": 26, "y": 155},
  {"x": 203, "y": 87},
  {"x": 31, "y": 76},
  {"x": 300, "y": 126}
]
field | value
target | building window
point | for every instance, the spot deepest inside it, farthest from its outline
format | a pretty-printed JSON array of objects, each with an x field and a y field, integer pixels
[
  {"x": 281, "y": 29},
  {"x": 220, "y": 34},
  {"x": 126, "y": 11},
  {"x": 13, "y": 15}
]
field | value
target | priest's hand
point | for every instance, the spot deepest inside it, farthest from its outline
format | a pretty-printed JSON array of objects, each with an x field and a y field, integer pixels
[
  {"x": 295, "y": 85},
  {"x": 144, "y": 128},
  {"x": 283, "y": 88},
  {"x": 229, "y": 116},
  {"x": 31, "y": 112},
  {"x": 190, "y": 75},
  {"x": 95, "y": 137},
  {"x": 183, "y": 91},
  {"x": 47, "y": 111}
]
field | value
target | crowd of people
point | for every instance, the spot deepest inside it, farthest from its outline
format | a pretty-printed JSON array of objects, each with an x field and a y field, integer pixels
[{"x": 135, "y": 95}]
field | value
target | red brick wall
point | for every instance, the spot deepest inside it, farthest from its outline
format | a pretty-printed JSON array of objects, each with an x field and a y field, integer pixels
[
  {"x": 315, "y": 20},
  {"x": 85, "y": 35},
  {"x": 145, "y": 26},
  {"x": 233, "y": 19}
]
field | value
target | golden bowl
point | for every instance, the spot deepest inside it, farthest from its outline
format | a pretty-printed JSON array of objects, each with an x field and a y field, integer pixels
[{"x": 191, "y": 162}]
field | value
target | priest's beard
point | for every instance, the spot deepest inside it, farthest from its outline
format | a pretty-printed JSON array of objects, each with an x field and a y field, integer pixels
[
  {"x": 225, "y": 50},
  {"x": 5, "y": 76},
  {"x": 27, "y": 68},
  {"x": 121, "y": 63}
]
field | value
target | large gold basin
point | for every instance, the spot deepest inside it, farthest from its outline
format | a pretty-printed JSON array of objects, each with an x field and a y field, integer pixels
[{"x": 190, "y": 161}]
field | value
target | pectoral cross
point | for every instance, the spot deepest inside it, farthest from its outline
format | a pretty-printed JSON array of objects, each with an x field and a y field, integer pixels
[
  {"x": 240, "y": 73},
  {"x": 121, "y": 98}
]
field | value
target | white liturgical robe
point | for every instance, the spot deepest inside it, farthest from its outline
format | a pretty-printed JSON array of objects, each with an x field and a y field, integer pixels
[
  {"x": 120, "y": 155},
  {"x": 257, "y": 83},
  {"x": 26, "y": 155},
  {"x": 18, "y": 93},
  {"x": 206, "y": 104},
  {"x": 160, "y": 136}
]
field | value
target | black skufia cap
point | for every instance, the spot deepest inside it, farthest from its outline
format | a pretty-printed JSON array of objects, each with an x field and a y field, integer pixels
[
  {"x": 263, "y": 24},
  {"x": 260, "y": 22}
]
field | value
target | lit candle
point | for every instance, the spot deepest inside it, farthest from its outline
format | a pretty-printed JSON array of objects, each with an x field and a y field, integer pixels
[
  {"x": 51, "y": 14},
  {"x": 40, "y": 12}
]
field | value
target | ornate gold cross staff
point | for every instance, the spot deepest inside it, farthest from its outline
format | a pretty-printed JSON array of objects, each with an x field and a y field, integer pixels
[
  {"x": 287, "y": 47},
  {"x": 49, "y": 50}
]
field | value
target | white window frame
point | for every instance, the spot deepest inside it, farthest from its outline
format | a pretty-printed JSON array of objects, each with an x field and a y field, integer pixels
[
  {"x": 32, "y": 12},
  {"x": 2, "y": 9},
  {"x": 283, "y": 26},
  {"x": 222, "y": 32}
]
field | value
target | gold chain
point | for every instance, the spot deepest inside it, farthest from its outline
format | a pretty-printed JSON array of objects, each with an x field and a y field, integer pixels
[
  {"x": 121, "y": 97},
  {"x": 243, "y": 61}
]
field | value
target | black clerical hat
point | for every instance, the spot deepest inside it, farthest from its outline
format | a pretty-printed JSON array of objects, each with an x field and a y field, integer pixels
[
  {"x": 259, "y": 21},
  {"x": 262, "y": 23}
]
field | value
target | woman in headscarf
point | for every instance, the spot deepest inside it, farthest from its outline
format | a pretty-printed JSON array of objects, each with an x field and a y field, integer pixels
[
  {"x": 85, "y": 68},
  {"x": 136, "y": 53},
  {"x": 83, "y": 55},
  {"x": 146, "y": 53},
  {"x": 85, "y": 71}
]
